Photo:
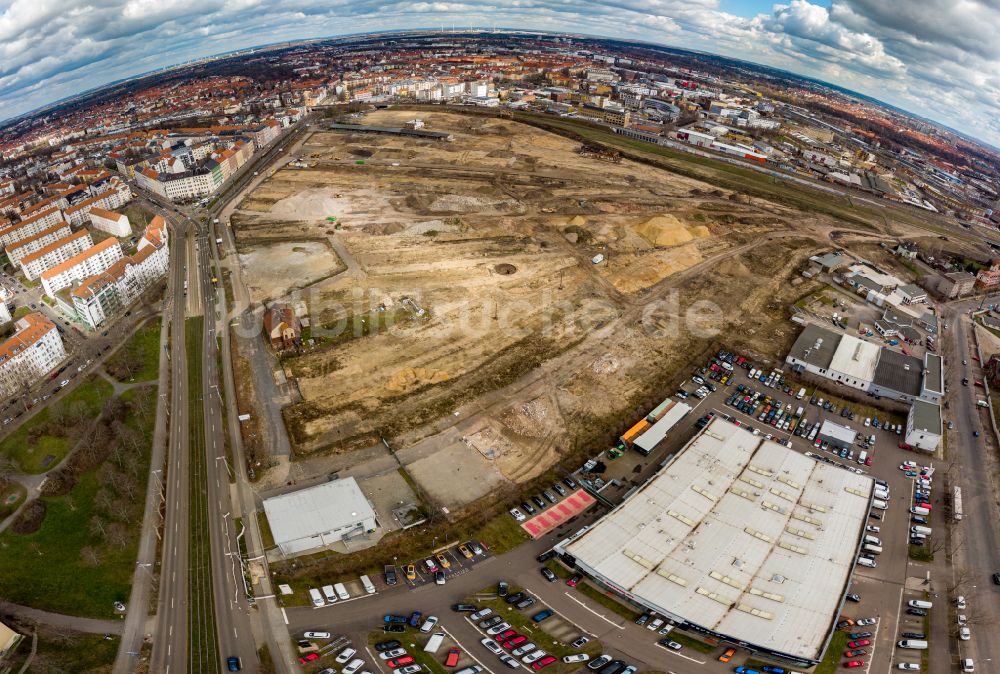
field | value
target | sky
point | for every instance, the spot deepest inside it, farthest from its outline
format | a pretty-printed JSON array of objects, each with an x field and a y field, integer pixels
[{"x": 936, "y": 58}]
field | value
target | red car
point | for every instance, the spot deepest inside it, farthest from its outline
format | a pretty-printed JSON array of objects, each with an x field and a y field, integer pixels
[
  {"x": 544, "y": 662},
  {"x": 401, "y": 661},
  {"x": 868, "y": 461},
  {"x": 309, "y": 657},
  {"x": 504, "y": 636},
  {"x": 574, "y": 579},
  {"x": 855, "y": 663},
  {"x": 859, "y": 643},
  {"x": 453, "y": 655},
  {"x": 855, "y": 653},
  {"x": 516, "y": 641}
]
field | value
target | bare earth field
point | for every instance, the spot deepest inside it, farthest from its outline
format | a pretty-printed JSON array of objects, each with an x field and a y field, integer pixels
[{"x": 455, "y": 309}]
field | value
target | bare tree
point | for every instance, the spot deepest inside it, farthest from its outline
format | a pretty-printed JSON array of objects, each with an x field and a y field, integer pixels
[
  {"x": 120, "y": 510},
  {"x": 103, "y": 500},
  {"x": 96, "y": 526},
  {"x": 117, "y": 534},
  {"x": 89, "y": 556}
]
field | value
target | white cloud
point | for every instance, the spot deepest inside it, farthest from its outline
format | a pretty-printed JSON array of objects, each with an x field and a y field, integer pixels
[{"x": 937, "y": 57}]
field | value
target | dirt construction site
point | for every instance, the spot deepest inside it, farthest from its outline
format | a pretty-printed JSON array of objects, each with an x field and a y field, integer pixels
[{"x": 494, "y": 302}]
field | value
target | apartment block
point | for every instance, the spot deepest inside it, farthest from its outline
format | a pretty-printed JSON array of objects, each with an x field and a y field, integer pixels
[
  {"x": 29, "y": 226},
  {"x": 34, "y": 350},
  {"x": 91, "y": 261},
  {"x": 108, "y": 293},
  {"x": 110, "y": 222},
  {"x": 109, "y": 200},
  {"x": 55, "y": 253},
  {"x": 24, "y": 247}
]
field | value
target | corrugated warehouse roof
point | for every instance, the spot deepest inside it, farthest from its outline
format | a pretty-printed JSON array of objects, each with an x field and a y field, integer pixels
[
  {"x": 899, "y": 372},
  {"x": 855, "y": 358},
  {"x": 739, "y": 535},
  {"x": 655, "y": 434}
]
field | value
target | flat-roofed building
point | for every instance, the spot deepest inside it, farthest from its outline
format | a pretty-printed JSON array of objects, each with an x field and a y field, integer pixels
[
  {"x": 315, "y": 517},
  {"x": 836, "y": 435},
  {"x": 865, "y": 366},
  {"x": 20, "y": 249},
  {"x": 55, "y": 253},
  {"x": 738, "y": 538},
  {"x": 91, "y": 261},
  {"x": 28, "y": 355},
  {"x": 923, "y": 426}
]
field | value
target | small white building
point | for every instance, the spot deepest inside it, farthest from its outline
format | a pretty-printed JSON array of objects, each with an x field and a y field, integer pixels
[
  {"x": 923, "y": 426},
  {"x": 314, "y": 517},
  {"x": 113, "y": 223}
]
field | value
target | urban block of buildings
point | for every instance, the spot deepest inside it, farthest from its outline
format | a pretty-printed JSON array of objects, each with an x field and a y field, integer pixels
[{"x": 34, "y": 350}]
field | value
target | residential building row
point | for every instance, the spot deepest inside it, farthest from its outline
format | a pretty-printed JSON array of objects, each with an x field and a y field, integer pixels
[
  {"x": 34, "y": 350},
  {"x": 107, "y": 293}
]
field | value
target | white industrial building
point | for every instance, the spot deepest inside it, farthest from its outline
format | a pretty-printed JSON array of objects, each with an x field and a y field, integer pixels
[
  {"x": 33, "y": 351},
  {"x": 654, "y": 435},
  {"x": 923, "y": 426},
  {"x": 836, "y": 435},
  {"x": 867, "y": 367},
  {"x": 738, "y": 538},
  {"x": 314, "y": 517}
]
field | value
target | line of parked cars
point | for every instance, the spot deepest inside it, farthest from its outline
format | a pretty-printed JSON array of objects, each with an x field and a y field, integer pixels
[{"x": 547, "y": 498}]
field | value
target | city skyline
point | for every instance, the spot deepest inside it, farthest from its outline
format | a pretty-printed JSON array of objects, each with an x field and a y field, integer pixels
[{"x": 906, "y": 59}]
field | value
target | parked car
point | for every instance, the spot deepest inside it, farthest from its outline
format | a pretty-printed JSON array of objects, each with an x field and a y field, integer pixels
[{"x": 549, "y": 574}]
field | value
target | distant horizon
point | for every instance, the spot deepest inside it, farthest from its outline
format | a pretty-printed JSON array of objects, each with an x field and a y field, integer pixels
[{"x": 936, "y": 61}]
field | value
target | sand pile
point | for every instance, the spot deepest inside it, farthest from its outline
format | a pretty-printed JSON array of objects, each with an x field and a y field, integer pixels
[
  {"x": 667, "y": 230},
  {"x": 412, "y": 377}
]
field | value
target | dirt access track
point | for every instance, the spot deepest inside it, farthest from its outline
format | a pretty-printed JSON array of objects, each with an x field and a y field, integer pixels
[{"x": 453, "y": 301}]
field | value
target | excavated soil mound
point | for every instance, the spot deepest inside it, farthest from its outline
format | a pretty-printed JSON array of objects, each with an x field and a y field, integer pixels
[
  {"x": 667, "y": 230},
  {"x": 414, "y": 377}
]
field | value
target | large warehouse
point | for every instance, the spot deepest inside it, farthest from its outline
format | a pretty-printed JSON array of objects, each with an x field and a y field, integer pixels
[
  {"x": 738, "y": 538},
  {"x": 314, "y": 517}
]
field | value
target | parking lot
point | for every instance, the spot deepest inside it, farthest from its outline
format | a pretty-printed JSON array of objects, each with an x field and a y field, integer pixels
[{"x": 452, "y": 562}]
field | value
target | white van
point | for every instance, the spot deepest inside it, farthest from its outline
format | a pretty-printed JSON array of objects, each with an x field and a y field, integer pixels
[
  {"x": 917, "y": 510},
  {"x": 434, "y": 643},
  {"x": 316, "y": 597},
  {"x": 982, "y": 403},
  {"x": 926, "y": 531},
  {"x": 861, "y": 459},
  {"x": 866, "y": 561},
  {"x": 880, "y": 504},
  {"x": 880, "y": 494},
  {"x": 873, "y": 540},
  {"x": 917, "y": 644},
  {"x": 368, "y": 585},
  {"x": 873, "y": 549},
  {"x": 919, "y": 603},
  {"x": 341, "y": 591},
  {"x": 328, "y": 592},
  {"x": 801, "y": 395}
]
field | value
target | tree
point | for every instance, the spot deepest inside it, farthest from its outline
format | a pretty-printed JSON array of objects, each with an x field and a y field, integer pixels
[
  {"x": 89, "y": 556},
  {"x": 117, "y": 534},
  {"x": 96, "y": 526}
]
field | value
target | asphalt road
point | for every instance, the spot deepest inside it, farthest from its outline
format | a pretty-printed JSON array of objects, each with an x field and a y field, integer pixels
[{"x": 978, "y": 534}]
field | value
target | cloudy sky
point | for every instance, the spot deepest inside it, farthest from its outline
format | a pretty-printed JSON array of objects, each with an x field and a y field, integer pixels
[{"x": 938, "y": 58}]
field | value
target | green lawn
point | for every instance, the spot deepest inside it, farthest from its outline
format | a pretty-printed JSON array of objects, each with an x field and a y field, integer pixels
[
  {"x": 139, "y": 358},
  {"x": 921, "y": 553},
  {"x": 690, "y": 642},
  {"x": 30, "y": 456},
  {"x": 11, "y": 496},
  {"x": 834, "y": 654},
  {"x": 47, "y": 570},
  {"x": 607, "y": 601}
]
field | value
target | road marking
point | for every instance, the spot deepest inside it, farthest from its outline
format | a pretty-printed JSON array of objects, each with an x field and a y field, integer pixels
[
  {"x": 896, "y": 632},
  {"x": 681, "y": 655},
  {"x": 284, "y": 616},
  {"x": 467, "y": 651},
  {"x": 612, "y": 623}
]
